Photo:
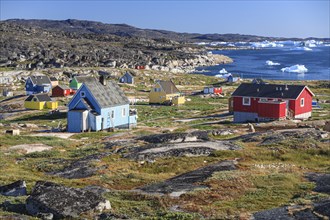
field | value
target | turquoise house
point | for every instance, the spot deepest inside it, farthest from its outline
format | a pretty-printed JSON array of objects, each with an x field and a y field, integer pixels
[{"x": 98, "y": 105}]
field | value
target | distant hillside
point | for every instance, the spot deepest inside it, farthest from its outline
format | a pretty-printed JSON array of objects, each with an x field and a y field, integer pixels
[
  {"x": 124, "y": 30},
  {"x": 30, "y": 44}
]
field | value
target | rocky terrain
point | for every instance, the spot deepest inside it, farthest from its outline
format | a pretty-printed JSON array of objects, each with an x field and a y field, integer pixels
[{"x": 39, "y": 44}]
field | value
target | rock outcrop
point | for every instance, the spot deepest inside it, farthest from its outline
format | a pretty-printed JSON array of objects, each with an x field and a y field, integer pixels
[
  {"x": 188, "y": 181},
  {"x": 17, "y": 188},
  {"x": 63, "y": 202}
]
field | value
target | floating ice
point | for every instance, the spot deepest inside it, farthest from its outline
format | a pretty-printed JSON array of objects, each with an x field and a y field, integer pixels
[
  {"x": 267, "y": 44},
  {"x": 271, "y": 63},
  {"x": 302, "y": 48},
  {"x": 224, "y": 76},
  {"x": 295, "y": 69},
  {"x": 223, "y": 71}
]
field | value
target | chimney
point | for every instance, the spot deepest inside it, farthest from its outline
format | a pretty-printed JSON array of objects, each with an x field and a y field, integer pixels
[
  {"x": 286, "y": 87},
  {"x": 102, "y": 80}
]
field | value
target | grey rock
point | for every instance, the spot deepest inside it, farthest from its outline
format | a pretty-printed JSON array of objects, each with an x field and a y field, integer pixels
[
  {"x": 176, "y": 137},
  {"x": 81, "y": 168},
  {"x": 63, "y": 202},
  {"x": 322, "y": 181},
  {"x": 188, "y": 181},
  {"x": 17, "y": 188}
]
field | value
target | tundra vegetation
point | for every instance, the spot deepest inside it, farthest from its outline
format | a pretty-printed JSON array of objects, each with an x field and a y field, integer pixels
[{"x": 270, "y": 172}]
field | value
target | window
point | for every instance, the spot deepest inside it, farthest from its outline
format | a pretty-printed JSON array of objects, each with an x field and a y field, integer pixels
[
  {"x": 35, "y": 99},
  {"x": 263, "y": 100},
  {"x": 82, "y": 94},
  {"x": 123, "y": 112},
  {"x": 302, "y": 102},
  {"x": 113, "y": 114},
  {"x": 246, "y": 101}
]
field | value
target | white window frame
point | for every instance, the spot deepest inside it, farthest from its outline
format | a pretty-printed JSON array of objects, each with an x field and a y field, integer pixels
[
  {"x": 248, "y": 98},
  {"x": 123, "y": 112},
  {"x": 302, "y": 102},
  {"x": 83, "y": 94}
]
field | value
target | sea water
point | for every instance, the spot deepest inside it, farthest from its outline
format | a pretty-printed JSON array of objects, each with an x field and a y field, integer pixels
[{"x": 251, "y": 63}]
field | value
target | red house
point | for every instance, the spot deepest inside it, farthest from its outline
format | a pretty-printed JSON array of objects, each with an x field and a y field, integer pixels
[
  {"x": 264, "y": 102},
  {"x": 61, "y": 91}
]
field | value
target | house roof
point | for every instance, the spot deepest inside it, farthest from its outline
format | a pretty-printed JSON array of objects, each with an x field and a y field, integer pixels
[
  {"x": 40, "y": 98},
  {"x": 129, "y": 74},
  {"x": 40, "y": 80},
  {"x": 106, "y": 96},
  {"x": 168, "y": 87},
  {"x": 64, "y": 87},
  {"x": 52, "y": 78},
  {"x": 270, "y": 90}
]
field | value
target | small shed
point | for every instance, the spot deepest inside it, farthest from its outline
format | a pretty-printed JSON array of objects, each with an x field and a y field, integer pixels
[
  {"x": 232, "y": 78},
  {"x": 61, "y": 91},
  {"x": 127, "y": 78},
  {"x": 7, "y": 93},
  {"x": 39, "y": 102},
  {"x": 53, "y": 81}
]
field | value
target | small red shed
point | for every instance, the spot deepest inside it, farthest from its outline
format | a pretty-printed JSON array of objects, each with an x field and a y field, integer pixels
[
  {"x": 140, "y": 67},
  {"x": 61, "y": 91},
  {"x": 263, "y": 102}
]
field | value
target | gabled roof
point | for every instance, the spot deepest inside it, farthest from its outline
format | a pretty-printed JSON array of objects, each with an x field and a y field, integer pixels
[
  {"x": 168, "y": 87},
  {"x": 64, "y": 87},
  {"x": 40, "y": 98},
  {"x": 40, "y": 80},
  {"x": 270, "y": 90},
  {"x": 129, "y": 74},
  {"x": 82, "y": 79},
  {"x": 106, "y": 95}
]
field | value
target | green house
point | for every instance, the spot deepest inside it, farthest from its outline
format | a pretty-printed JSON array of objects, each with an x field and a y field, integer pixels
[{"x": 75, "y": 84}]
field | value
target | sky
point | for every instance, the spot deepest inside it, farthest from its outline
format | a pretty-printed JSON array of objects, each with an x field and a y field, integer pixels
[{"x": 280, "y": 18}]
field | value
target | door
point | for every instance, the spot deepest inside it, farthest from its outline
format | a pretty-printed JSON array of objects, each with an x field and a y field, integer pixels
[{"x": 287, "y": 107}]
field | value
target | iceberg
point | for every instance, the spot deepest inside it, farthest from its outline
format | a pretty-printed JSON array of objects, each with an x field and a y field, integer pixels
[
  {"x": 224, "y": 76},
  {"x": 271, "y": 63},
  {"x": 295, "y": 69},
  {"x": 223, "y": 71},
  {"x": 302, "y": 48},
  {"x": 266, "y": 44}
]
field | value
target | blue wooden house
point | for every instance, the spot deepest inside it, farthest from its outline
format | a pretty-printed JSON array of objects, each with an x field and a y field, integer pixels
[
  {"x": 127, "y": 78},
  {"x": 37, "y": 84},
  {"x": 98, "y": 105}
]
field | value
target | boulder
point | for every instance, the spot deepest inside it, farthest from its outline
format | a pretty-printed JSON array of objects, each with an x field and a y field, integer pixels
[
  {"x": 17, "y": 188},
  {"x": 64, "y": 202}
]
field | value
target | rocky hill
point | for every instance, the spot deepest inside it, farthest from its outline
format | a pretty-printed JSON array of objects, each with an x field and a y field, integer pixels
[{"x": 38, "y": 44}]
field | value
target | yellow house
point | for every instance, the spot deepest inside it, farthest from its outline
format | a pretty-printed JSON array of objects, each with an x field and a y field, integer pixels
[
  {"x": 165, "y": 91},
  {"x": 40, "y": 101}
]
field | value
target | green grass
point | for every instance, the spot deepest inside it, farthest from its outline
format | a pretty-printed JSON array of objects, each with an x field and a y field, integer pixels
[{"x": 9, "y": 140}]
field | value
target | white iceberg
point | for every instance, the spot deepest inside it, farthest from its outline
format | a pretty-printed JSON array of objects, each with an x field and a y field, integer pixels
[
  {"x": 295, "y": 69},
  {"x": 224, "y": 76},
  {"x": 302, "y": 48},
  {"x": 266, "y": 44},
  {"x": 223, "y": 71},
  {"x": 271, "y": 63}
]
